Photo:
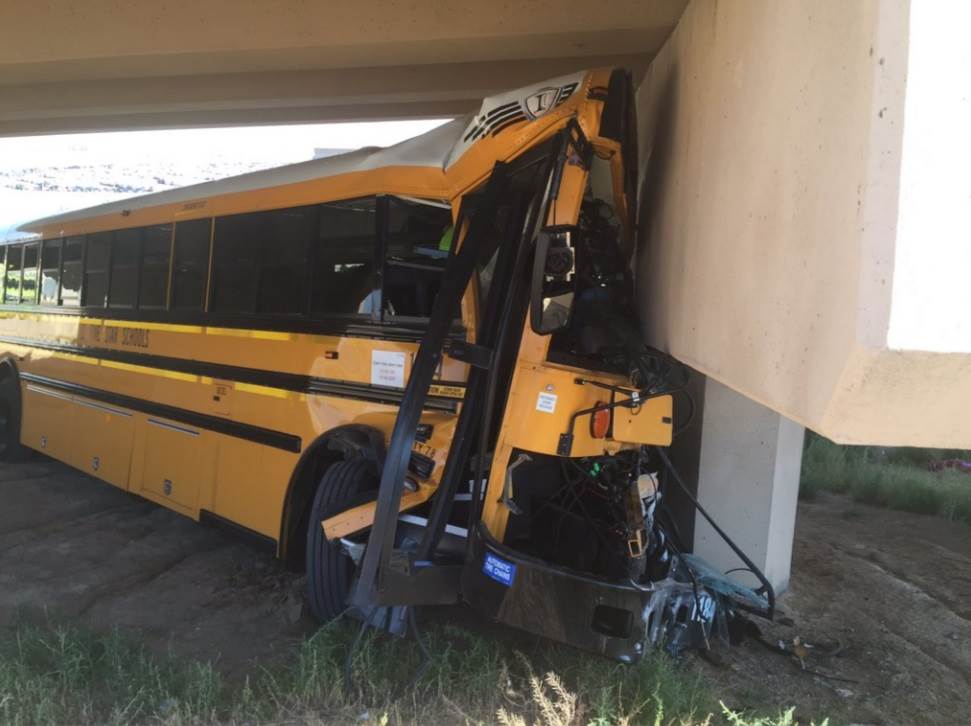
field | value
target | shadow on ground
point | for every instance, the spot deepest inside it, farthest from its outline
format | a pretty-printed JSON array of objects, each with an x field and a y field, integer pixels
[{"x": 84, "y": 549}]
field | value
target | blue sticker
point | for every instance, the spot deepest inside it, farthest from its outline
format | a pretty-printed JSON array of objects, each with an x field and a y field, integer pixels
[{"x": 498, "y": 569}]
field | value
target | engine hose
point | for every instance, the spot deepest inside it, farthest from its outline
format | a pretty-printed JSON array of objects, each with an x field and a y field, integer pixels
[{"x": 759, "y": 575}]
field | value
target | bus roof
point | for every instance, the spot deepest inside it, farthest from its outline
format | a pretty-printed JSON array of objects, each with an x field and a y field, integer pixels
[{"x": 437, "y": 149}]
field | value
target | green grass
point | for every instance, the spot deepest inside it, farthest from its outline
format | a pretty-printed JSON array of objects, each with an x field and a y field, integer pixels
[
  {"x": 57, "y": 674},
  {"x": 894, "y": 478},
  {"x": 53, "y": 673}
]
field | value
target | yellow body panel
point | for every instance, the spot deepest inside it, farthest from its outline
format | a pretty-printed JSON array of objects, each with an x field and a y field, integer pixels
[
  {"x": 544, "y": 398},
  {"x": 239, "y": 480},
  {"x": 179, "y": 481},
  {"x": 651, "y": 423},
  {"x": 102, "y": 441},
  {"x": 48, "y": 421}
]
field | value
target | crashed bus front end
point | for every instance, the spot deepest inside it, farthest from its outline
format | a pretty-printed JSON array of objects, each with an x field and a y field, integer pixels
[
  {"x": 691, "y": 607},
  {"x": 549, "y": 512}
]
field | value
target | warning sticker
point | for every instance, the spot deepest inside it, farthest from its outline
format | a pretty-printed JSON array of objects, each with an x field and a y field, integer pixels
[
  {"x": 546, "y": 402},
  {"x": 498, "y": 569},
  {"x": 388, "y": 368}
]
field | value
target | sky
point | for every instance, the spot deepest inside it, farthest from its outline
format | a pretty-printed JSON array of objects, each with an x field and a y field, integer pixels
[{"x": 43, "y": 175}]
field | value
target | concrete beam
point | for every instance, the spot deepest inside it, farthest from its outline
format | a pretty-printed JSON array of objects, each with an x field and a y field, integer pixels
[
  {"x": 304, "y": 96},
  {"x": 805, "y": 209},
  {"x": 72, "y": 40},
  {"x": 74, "y": 66}
]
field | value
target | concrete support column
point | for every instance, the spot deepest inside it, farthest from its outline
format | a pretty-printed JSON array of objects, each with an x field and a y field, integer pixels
[{"x": 748, "y": 481}]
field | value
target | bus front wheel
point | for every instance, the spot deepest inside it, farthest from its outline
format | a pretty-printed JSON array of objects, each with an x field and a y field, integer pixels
[{"x": 329, "y": 568}]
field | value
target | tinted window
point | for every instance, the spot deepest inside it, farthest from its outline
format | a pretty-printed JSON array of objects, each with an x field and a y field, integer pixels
[
  {"x": 126, "y": 251},
  {"x": 12, "y": 285},
  {"x": 50, "y": 271},
  {"x": 96, "y": 269},
  {"x": 343, "y": 259},
  {"x": 28, "y": 287},
  {"x": 72, "y": 256},
  {"x": 286, "y": 236},
  {"x": 235, "y": 264},
  {"x": 156, "y": 248},
  {"x": 419, "y": 242},
  {"x": 191, "y": 266},
  {"x": 260, "y": 261}
]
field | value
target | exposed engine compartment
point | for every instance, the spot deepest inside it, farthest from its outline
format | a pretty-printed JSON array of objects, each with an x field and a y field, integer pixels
[
  {"x": 595, "y": 515},
  {"x": 604, "y": 517}
]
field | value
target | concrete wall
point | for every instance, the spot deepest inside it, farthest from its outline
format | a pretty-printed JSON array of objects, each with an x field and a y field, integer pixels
[{"x": 779, "y": 238}]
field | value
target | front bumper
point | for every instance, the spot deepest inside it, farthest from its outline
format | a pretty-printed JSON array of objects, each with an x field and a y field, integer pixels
[{"x": 694, "y": 607}]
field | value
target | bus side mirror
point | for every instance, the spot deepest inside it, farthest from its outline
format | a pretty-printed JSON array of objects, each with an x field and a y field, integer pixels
[{"x": 554, "y": 280}]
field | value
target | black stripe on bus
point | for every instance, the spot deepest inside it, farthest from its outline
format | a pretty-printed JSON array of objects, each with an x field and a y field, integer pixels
[
  {"x": 255, "y": 376},
  {"x": 257, "y": 539},
  {"x": 256, "y": 434}
]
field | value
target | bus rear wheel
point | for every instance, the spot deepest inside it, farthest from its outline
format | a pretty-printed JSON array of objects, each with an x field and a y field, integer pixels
[
  {"x": 329, "y": 568},
  {"x": 10, "y": 447}
]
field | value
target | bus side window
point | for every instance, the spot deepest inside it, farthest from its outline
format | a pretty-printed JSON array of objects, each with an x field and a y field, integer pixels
[
  {"x": 286, "y": 236},
  {"x": 154, "y": 276},
  {"x": 71, "y": 260},
  {"x": 260, "y": 261},
  {"x": 96, "y": 270},
  {"x": 343, "y": 280},
  {"x": 191, "y": 264},
  {"x": 11, "y": 292},
  {"x": 418, "y": 245},
  {"x": 235, "y": 264},
  {"x": 50, "y": 271},
  {"x": 28, "y": 287},
  {"x": 126, "y": 252}
]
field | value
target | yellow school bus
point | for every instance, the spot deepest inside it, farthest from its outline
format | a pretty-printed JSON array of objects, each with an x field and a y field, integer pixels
[{"x": 414, "y": 371}]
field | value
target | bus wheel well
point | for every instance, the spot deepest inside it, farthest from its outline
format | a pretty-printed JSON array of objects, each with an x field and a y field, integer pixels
[{"x": 343, "y": 443}]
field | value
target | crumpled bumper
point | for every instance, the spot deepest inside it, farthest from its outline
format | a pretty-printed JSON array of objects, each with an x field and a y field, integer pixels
[{"x": 694, "y": 607}]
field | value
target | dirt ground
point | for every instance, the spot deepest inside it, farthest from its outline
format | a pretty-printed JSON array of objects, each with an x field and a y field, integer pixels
[
  {"x": 890, "y": 593},
  {"x": 881, "y": 599}
]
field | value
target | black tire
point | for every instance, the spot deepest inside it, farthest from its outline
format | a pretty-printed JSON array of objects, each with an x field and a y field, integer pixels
[
  {"x": 10, "y": 447},
  {"x": 329, "y": 569}
]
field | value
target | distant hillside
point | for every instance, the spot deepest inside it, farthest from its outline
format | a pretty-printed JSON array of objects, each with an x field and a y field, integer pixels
[{"x": 31, "y": 192}]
